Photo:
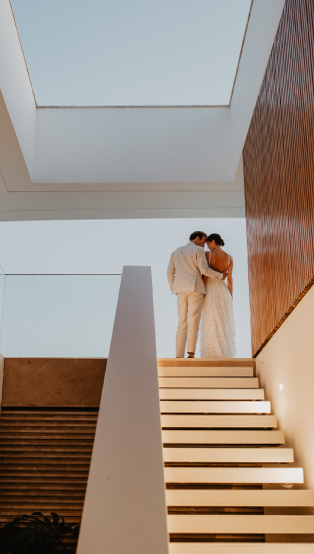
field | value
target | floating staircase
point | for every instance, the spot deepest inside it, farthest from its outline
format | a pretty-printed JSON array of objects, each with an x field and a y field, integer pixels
[
  {"x": 231, "y": 485},
  {"x": 44, "y": 462}
]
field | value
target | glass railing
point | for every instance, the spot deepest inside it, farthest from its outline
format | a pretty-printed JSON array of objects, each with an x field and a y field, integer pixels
[
  {"x": 57, "y": 315},
  {"x": 2, "y": 281}
]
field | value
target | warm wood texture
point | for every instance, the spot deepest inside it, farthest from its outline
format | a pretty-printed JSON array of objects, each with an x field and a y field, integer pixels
[
  {"x": 279, "y": 176},
  {"x": 44, "y": 462}
]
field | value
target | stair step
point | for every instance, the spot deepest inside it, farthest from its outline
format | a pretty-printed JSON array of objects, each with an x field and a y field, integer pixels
[
  {"x": 211, "y": 394},
  {"x": 228, "y": 455},
  {"x": 223, "y": 437},
  {"x": 21, "y": 507},
  {"x": 41, "y": 468},
  {"x": 209, "y": 382},
  {"x": 238, "y": 524},
  {"x": 206, "y": 362},
  {"x": 34, "y": 505},
  {"x": 26, "y": 472},
  {"x": 236, "y": 497},
  {"x": 240, "y": 548},
  {"x": 30, "y": 477},
  {"x": 43, "y": 485},
  {"x": 34, "y": 431},
  {"x": 54, "y": 458},
  {"x": 5, "y": 411},
  {"x": 62, "y": 450},
  {"x": 215, "y": 407},
  {"x": 39, "y": 424},
  {"x": 47, "y": 441},
  {"x": 219, "y": 421},
  {"x": 49, "y": 418},
  {"x": 15, "y": 512},
  {"x": 77, "y": 496},
  {"x": 201, "y": 371},
  {"x": 233, "y": 475}
]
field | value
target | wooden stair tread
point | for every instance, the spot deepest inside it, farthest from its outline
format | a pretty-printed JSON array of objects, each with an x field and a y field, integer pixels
[
  {"x": 209, "y": 382},
  {"x": 175, "y": 393},
  {"x": 61, "y": 457},
  {"x": 42, "y": 485},
  {"x": 31, "y": 439},
  {"x": 203, "y": 371},
  {"x": 233, "y": 475},
  {"x": 5, "y": 410},
  {"x": 222, "y": 421},
  {"x": 47, "y": 425},
  {"x": 240, "y": 548},
  {"x": 206, "y": 362},
  {"x": 40, "y": 468},
  {"x": 229, "y": 455},
  {"x": 236, "y": 497},
  {"x": 4, "y": 431},
  {"x": 223, "y": 437},
  {"x": 240, "y": 524},
  {"x": 42, "y": 494},
  {"x": 215, "y": 407},
  {"x": 58, "y": 449}
]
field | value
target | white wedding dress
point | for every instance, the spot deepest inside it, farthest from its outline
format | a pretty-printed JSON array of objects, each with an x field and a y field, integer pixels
[{"x": 217, "y": 338}]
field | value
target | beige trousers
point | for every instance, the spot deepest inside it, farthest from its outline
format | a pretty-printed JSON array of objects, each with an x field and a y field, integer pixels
[{"x": 189, "y": 312}]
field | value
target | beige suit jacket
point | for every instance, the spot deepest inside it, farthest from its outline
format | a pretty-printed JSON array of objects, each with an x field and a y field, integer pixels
[{"x": 185, "y": 269}]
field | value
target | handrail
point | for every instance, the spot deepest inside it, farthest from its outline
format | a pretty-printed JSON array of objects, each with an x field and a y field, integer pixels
[{"x": 125, "y": 509}]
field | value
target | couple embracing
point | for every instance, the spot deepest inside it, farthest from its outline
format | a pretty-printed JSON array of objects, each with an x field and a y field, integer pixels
[{"x": 203, "y": 284}]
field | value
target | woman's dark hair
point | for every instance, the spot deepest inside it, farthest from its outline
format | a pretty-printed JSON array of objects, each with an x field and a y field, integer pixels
[
  {"x": 197, "y": 234},
  {"x": 217, "y": 238}
]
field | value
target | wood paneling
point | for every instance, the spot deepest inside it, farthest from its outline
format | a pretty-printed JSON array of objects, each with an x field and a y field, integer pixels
[{"x": 279, "y": 176}]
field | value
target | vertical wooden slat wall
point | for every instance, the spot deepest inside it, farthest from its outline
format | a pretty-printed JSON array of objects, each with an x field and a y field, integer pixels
[{"x": 279, "y": 175}]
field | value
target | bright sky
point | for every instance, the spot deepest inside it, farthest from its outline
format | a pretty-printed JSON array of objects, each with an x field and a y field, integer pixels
[
  {"x": 105, "y": 52},
  {"x": 105, "y": 246}
]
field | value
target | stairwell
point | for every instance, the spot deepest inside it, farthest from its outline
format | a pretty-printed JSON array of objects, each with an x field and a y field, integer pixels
[
  {"x": 44, "y": 462},
  {"x": 230, "y": 481},
  {"x": 231, "y": 484}
]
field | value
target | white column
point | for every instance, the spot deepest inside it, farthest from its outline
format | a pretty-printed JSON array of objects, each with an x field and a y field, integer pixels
[{"x": 124, "y": 510}]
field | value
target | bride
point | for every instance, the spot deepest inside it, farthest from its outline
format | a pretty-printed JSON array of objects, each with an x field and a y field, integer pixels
[{"x": 217, "y": 324}]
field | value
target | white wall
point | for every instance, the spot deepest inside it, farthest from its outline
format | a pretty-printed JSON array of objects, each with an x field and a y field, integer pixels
[{"x": 286, "y": 370}]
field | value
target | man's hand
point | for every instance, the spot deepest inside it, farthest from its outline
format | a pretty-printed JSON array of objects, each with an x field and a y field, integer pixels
[{"x": 224, "y": 275}]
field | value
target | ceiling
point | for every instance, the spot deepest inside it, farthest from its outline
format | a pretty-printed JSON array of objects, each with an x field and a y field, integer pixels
[
  {"x": 128, "y": 162},
  {"x": 139, "y": 53}
]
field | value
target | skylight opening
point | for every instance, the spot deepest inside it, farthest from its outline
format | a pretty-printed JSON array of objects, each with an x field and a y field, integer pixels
[{"x": 132, "y": 53}]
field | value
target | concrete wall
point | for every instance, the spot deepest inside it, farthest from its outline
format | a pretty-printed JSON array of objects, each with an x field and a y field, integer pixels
[
  {"x": 51, "y": 382},
  {"x": 286, "y": 370}
]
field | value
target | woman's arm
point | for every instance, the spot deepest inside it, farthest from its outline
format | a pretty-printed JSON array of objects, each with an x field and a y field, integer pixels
[
  {"x": 208, "y": 259},
  {"x": 229, "y": 278}
]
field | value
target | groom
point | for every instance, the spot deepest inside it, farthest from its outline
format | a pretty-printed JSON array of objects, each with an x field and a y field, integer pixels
[{"x": 185, "y": 269}]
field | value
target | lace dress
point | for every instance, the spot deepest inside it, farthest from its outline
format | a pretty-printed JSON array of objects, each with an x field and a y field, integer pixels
[{"x": 217, "y": 339}]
